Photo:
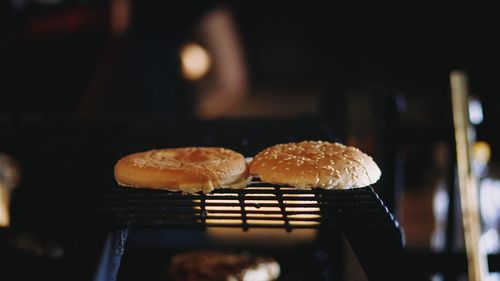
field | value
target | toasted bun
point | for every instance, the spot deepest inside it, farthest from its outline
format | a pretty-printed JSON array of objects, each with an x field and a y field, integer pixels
[
  {"x": 217, "y": 266},
  {"x": 310, "y": 164},
  {"x": 190, "y": 169}
]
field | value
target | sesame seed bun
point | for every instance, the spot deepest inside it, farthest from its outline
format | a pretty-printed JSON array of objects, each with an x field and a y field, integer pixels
[
  {"x": 217, "y": 266},
  {"x": 311, "y": 164},
  {"x": 190, "y": 169}
]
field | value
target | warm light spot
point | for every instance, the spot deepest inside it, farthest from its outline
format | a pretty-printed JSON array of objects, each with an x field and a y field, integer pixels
[
  {"x": 262, "y": 209},
  {"x": 306, "y": 216},
  {"x": 212, "y": 214},
  {"x": 260, "y": 188},
  {"x": 481, "y": 152},
  {"x": 261, "y": 236},
  {"x": 257, "y": 215},
  {"x": 223, "y": 221},
  {"x": 314, "y": 207},
  {"x": 304, "y": 223},
  {"x": 195, "y": 61},
  {"x": 223, "y": 208},
  {"x": 266, "y": 222},
  {"x": 4, "y": 206}
]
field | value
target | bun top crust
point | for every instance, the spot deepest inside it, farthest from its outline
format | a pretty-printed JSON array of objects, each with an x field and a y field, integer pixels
[
  {"x": 311, "y": 164},
  {"x": 215, "y": 266},
  {"x": 189, "y": 169},
  {"x": 188, "y": 157}
]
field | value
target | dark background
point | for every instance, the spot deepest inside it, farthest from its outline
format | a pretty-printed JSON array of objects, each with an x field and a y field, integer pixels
[
  {"x": 410, "y": 51},
  {"x": 296, "y": 47}
]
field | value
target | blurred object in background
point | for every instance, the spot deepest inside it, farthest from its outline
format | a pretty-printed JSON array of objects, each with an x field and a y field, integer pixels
[
  {"x": 225, "y": 86},
  {"x": 48, "y": 50},
  {"x": 440, "y": 202},
  {"x": 120, "y": 57},
  {"x": 490, "y": 211},
  {"x": 11, "y": 239},
  {"x": 175, "y": 60},
  {"x": 120, "y": 17},
  {"x": 17, "y": 242},
  {"x": 481, "y": 154},
  {"x": 475, "y": 110},
  {"x": 9, "y": 178},
  {"x": 157, "y": 59},
  {"x": 489, "y": 192}
]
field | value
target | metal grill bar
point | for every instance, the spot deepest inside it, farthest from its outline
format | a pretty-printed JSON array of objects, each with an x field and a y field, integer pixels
[
  {"x": 283, "y": 210},
  {"x": 261, "y": 205},
  {"x": 152, "y": 197},
  {"x": 203, "y": 220},
  {"x": 176, "y": 224},
  {"x": 241, "y": 199},
  {"x": 190, "y": 211},
  {"x": 203, "y": 213}
]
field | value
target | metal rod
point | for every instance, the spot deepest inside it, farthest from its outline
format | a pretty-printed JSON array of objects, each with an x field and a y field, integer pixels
[{"x": 467, "y": 180}]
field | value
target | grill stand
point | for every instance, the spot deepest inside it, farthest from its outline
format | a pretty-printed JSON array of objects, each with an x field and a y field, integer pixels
[
  {"x": 359, "y": 215},
  {"x": 109, "y": 264}
]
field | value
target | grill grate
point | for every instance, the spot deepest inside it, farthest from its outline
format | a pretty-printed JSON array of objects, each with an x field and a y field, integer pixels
[{"x": 260, "y": 205}]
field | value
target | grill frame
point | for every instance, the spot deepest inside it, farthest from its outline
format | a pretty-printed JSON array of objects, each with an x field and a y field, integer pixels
[
  {"x": 278, "y": 206},
  {"x": 359, "y": 215}
]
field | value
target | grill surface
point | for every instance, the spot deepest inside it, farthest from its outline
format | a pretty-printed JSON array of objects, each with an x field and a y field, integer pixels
[{"x": 260, "y": 205}]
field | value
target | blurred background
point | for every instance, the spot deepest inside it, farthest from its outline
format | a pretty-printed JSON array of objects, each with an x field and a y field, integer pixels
[{"x": 375, "y": 77}]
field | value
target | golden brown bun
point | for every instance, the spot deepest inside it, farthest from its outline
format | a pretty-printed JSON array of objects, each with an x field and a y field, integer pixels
[
  {"x": 310, "y": 164},
  {"x": 221, "y": 266},
  {"x": 189, "y": 169}
]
